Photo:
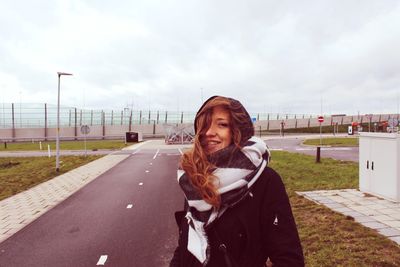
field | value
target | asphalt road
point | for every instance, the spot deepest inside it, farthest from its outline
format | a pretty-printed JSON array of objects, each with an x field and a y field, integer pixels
[
  {"x": 293, "y": 144},
  {"x": 97, "y": 224}
]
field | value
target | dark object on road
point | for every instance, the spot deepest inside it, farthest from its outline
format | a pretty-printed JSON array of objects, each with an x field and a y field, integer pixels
[{"x": 132, "y": 137}]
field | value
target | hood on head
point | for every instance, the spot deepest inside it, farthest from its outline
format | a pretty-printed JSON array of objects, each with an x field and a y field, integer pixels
[{"x": 246, "y": 125}]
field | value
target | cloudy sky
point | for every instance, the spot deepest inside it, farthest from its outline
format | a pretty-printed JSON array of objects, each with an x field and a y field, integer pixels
[{"x": 274, "y": 56}]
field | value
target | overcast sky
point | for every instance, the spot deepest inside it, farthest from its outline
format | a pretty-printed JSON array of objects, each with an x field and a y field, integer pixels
[{"x": 274, "y": 56}]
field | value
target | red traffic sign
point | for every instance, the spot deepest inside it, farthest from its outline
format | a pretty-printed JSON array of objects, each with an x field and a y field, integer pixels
[{"x": 321, "y": 118}]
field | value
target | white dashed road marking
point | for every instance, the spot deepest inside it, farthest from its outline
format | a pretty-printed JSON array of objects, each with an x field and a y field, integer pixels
[
  {"x": 136, "y": 151},
  {"x": 180, "y": 151},
  {"x": 158, "y": 150},
  {"x": 140, "y": 183},
  {"x": 147, "y": 171},
  {"x": 102, "y": 260},
  {"x": 129, "y": 206}
]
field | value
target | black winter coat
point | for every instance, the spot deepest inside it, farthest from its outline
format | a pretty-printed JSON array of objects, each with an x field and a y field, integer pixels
[{"x": 260, "y": 226}]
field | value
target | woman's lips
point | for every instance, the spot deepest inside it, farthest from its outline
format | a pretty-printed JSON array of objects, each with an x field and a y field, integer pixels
[{"x": 212, "y": 145}]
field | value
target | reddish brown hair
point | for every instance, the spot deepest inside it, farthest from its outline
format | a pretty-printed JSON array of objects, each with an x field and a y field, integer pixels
[{"x": 195, "y": 162}]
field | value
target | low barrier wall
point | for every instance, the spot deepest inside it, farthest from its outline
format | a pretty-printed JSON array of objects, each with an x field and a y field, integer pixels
[{"x": 158, "y": 130}]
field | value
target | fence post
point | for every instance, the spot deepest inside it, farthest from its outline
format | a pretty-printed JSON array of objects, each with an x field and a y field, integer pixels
[
  {"x": 158, "y": 115},
  {"x": 103, "y": 123},
  {"x": 182, "y": 117},
  {"x": 166, "y": 116},
  {"x": 112, "y": 117},
  {"x": 45, "y": 122},
  {"x": 13, "y": 122},
  {"x": 149, "y": 117},
  {"x": 268, "y": 122},
  {"x": 91, "y": 117},
  {"x": 130, "y": 122},
  {"x": 140, "y": 117},
  {"x": 122, "y": 116},
  {"x": 76, "y": 122}
]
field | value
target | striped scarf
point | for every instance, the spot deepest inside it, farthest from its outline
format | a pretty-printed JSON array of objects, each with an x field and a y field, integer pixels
[{"x": 236, "y": 171}]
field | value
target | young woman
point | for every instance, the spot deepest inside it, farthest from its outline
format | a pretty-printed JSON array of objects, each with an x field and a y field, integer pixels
[{"x": 237, "y": 212}]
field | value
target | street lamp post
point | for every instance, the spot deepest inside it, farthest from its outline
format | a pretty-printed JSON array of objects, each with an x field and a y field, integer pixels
[{"x": 58, "y": 122}]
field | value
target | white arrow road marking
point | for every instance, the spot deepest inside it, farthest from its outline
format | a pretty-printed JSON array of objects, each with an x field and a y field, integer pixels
[
  {"x": 102, "y": 260},
  {"x": 158, "y": 150},
  {"x": 129, "y": 206}
]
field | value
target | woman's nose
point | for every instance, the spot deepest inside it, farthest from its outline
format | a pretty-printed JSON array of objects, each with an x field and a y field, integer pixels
[{"x": 210, "y": 131}]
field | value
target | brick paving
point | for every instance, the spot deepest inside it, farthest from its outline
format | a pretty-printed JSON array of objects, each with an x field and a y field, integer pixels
[{"x": 373, "y": 212}]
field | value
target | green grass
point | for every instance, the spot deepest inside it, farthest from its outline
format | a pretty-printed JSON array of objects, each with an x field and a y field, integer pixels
[
  {"x": 19, "y": 174},
  {"x": 65, "y": 145},
  {"x": 339, "y": 141},
  {"x": 329, "y": 238}
]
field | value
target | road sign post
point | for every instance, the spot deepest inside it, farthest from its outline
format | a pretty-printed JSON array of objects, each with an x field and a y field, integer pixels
[
  {"x": 85, "y": 129},
  {"x": 320, "y": 120}
]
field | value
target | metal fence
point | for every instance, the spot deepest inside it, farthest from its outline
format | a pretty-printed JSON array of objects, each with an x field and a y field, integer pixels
[{"x": 26, "y": 115}]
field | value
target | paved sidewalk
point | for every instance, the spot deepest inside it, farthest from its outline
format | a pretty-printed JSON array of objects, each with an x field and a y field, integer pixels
[
  {"x": 19, "y": 210},
  {"x": 370, "y": 211}
]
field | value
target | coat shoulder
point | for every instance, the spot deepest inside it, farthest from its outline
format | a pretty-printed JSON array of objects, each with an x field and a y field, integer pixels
[{"x": 269, "y": 177}]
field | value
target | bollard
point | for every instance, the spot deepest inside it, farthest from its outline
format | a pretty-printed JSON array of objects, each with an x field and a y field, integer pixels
[
  {"x": 318, "y": 159},
  {"x": 5, "y": 145}
]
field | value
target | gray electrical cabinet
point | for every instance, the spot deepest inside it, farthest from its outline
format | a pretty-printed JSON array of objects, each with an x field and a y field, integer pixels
[{"x": 379, "y": 164}]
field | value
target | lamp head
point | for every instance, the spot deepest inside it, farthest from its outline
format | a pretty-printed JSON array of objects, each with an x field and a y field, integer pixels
[{"x": 63, "y": 73}]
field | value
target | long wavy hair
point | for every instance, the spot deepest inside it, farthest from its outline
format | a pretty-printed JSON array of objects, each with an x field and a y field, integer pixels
[{"x": 195, "y": 163}]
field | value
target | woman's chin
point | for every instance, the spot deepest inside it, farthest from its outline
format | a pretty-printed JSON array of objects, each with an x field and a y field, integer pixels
[{"x": 212, "y": 150}]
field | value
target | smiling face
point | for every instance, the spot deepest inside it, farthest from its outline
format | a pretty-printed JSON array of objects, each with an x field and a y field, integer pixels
[{"x": 219, "y": 134}]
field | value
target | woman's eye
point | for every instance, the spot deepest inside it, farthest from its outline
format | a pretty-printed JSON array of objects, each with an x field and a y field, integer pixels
[{"x": 223, "y": 125}]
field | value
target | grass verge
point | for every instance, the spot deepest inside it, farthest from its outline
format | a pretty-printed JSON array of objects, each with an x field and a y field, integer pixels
[
  {"x": 19, "y": 174},
  {"x": 329, "y": 238},
  {"x": 65, "y": 145},
  {"x": 336, "y": 141}
]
